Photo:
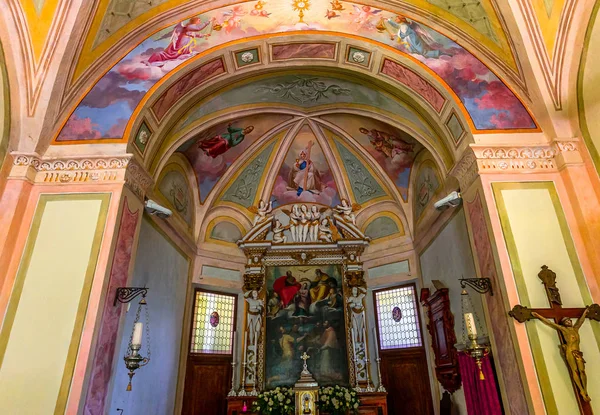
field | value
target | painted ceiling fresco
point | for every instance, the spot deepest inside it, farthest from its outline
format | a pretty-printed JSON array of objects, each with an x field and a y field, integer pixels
[
  {"x": 212, "y": 152},
  {"x": 309, "y": 153},
  {"x": 305, "y": 91},
  {"x": 115, "y": 18},
  {"x": 105, "y": 110},
  {"x": 392, "y": 148},
  {"x": 305, "y": 175}
]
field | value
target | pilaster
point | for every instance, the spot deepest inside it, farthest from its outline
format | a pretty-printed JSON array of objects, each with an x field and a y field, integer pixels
[{"x": 125, "y": 183}]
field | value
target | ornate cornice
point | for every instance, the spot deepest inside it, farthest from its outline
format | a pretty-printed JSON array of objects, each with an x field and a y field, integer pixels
[
  {"x": 138, "y": 179},
  {"x": 534, "y": 158},
  {"x": 82, "y": 169}
]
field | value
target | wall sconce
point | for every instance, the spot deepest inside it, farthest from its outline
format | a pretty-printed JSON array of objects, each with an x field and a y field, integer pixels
[
  {"x": 133, "y": 359},
  {"x": 481, "y": 285},
  {"x": 476, "y": 347}
]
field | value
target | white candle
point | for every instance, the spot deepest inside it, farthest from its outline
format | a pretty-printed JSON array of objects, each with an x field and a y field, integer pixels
[
  {"x": 138, "y": 330},
  {"x": 470, "y": 323},
  {"x": 376, "y": 342}
]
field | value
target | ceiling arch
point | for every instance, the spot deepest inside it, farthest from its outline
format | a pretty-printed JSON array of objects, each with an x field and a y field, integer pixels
[
  {"x": 491, "y": 105},
  {"x": 115, "y": 24}
]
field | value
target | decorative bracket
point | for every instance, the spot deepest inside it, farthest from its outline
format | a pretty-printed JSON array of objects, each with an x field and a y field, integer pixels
[
  {"x": 126, "y": 294},
  {"x": 481, "y": 285}
]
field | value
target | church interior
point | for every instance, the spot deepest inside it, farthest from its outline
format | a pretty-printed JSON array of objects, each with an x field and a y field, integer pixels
[{"x": 299, "y": 207}]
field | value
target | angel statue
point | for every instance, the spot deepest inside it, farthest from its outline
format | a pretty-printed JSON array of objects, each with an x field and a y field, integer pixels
[
  {"x": 315, "y": 216},
  {"x": 357, "y": 309},
  {"x": 412, "y": 36},
  {"x": 570, "y": 348},
  {"x": 254, "y": 318},
  {"x": 304, "y": 223},
  {"x": 346, "y": 211},
  {"x": 278, "y": 229},
  {"x": 327, "y": 233},
  {"x": 261, "y": 212},
  {"x": 295, "y": 226}
]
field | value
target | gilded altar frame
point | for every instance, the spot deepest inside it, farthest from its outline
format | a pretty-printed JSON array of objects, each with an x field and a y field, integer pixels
[{"x": 262, "y": 253}]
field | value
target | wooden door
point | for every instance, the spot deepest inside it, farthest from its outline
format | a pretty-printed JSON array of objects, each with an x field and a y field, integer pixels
[
  {"x": 208, "y": 370},
  {"x": 406, "y": 378},
  {"x": 207, "y": 382},
  {"x": 404, "y": 369}
]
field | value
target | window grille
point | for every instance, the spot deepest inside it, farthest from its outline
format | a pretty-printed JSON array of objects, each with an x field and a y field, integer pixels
[
  {"x": 397, "y": 318},
  {"x": 213, "y": 323}
]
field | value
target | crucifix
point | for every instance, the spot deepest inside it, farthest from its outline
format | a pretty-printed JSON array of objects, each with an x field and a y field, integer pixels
[
  {"x": 305, "y": 357},
  {"x": 559, "y": 319}
]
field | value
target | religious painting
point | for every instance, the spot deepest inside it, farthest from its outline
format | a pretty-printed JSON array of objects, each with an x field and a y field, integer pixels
[
  {"x": 305, "y": 313},
  {"x": 392, "y": 148},
  {"x": 107, "y": 107},
  {"x": 305, "y": 175},
  {"x": 215, "y": 149},
  {"x": 174, "y": 188},
  {"x": 426, "y": 185}
]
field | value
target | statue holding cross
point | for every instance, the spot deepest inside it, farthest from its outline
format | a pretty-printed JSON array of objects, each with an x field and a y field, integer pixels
[{"x": 559, "y": 319}]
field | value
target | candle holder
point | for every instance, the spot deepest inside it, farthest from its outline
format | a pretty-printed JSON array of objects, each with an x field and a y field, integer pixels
[
  {"x": 477, "y": 352},
  {"x": 357, "y": 387},
  {"x": 232, "y": 391},
  {"x": 369, "y": 388},
  {"x": 242, "y": 391},
  {"x": 133, "y": 359},
  {"x": 380, "y": 388}
]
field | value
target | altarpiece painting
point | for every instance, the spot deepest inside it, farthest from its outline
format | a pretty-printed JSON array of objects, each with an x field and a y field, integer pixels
[{"x": 305, "y": 313}]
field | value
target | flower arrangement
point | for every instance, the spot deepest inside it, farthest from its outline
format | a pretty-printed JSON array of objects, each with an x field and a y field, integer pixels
[
  {"x": 337, "y": 400},
  {"x": 279, "y": 401}
]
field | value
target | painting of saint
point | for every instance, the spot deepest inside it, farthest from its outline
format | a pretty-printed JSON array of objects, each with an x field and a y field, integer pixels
[
  {"x": 312, "y": 321},
  {"x": 183, "y": 40},
  {"x": 220, "y": 143},
  {"x": 305, "y": 175},
  {"x": 386, "y": 143}
]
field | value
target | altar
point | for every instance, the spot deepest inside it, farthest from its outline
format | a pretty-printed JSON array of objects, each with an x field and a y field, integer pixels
[
  {"x": 305, "y": 324},
  {"x": 371, "y": 403}
]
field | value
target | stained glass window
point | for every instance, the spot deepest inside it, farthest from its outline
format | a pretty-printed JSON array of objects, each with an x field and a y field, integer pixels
[
  {"x": 213, "y": 324},
  {"x": 397, "y": 317}
]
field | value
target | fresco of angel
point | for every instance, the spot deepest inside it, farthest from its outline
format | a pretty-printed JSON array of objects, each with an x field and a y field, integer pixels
[
  {"x": 232, "y": 18},
  {"x": 363, "y": 15},
  {"x": 259, "y": 9},
  {"x": 183, "y": 41},
  {"x": 413, "y": 37}
]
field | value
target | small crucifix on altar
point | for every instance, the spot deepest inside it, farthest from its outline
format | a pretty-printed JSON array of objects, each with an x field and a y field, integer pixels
[
  {"x": 305, "y": 357},
  {"x": 559, "y": 319}
]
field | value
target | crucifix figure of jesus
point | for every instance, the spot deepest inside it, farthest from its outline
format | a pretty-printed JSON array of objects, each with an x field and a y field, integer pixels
[{"x": 559, "y": 318}]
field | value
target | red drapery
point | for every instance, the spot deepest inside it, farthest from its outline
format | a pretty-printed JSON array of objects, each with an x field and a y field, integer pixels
[{"x": 481, "y": 395}]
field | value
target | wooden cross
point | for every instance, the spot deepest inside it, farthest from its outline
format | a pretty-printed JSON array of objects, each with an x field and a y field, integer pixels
[{"x": 557, "y": 313}]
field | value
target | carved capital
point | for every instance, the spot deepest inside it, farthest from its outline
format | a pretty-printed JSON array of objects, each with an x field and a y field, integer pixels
[
  {"x": 253, "y": 282},
  {"x": 81, "y": 169},
  {"x": 138, "y": 180},
  {"x": 465, "y": 170},
  {"x": 355, "y": 279}
]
